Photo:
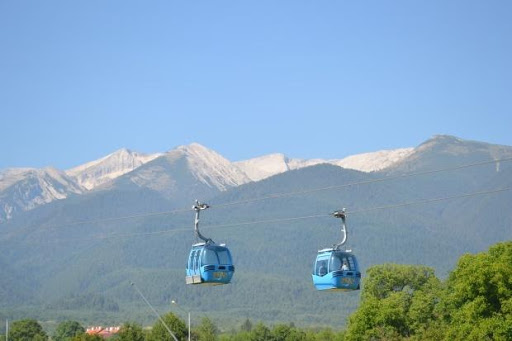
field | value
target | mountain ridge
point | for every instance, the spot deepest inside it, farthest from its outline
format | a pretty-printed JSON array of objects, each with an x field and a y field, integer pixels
[
  {"x": 95, "y": 173},
  {"x": 206, "y": 166},
  {"x": 97, "y": 242}
]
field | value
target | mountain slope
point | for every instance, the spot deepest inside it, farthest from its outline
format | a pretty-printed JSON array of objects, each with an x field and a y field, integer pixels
[
  {"x": 449, "y": 151},
  {"x": 376, "y": 161},
  {"x": 182, "y": 175},
  {"x": 211, "y": 168},
  {"x": 273, "y": 257},
  {"x": 268, "y": 165},
  {"x": 23, "y": 189},
  {"x": 97, "y": 243},
  {"x": 98, "y": 172}
]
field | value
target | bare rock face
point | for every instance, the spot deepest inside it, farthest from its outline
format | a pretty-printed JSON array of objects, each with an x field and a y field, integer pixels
[
  {"x": 23, "y": 189},
  {"x": 99, "y": 172}
]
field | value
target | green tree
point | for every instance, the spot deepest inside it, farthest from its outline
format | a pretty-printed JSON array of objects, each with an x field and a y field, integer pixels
[
  {"x": 259, "y": 333},
  {"x": 382, "y": 280},
  {"x": 240, "y": 336},
  {"x": 131, "y": 332},
  {"x": 177, "y": 326},
  {"x": 478, "y": 300},
  {"x": 397, "y": 301},
  {"x": 87, "y": 337},
  {"x": 281, "y": 332},
  {"x": 325, "y": 335},
  {"x": 26, "y": 330},
  {"x": 207, "y": 330},
  {"x": 246, "y": 326},
  {"x": 66, "y": 330}
]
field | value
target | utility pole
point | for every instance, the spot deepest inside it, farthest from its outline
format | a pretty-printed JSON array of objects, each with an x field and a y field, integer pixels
[
  {"x": 6, "y": 330},
  {"x": 179, "y": 307}
]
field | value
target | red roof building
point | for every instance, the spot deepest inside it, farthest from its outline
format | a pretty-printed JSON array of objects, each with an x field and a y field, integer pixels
[{"x": 104, "y": 332}]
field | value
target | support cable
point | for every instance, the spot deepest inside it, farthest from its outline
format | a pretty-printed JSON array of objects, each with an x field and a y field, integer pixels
[
  {"x": 282, "y": 220},
  {"x": 154, "y": 311},
  {"x": 286, "y": 194}
]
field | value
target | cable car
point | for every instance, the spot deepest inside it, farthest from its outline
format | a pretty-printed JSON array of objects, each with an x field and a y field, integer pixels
[
  {"x": 337, "y": 269},
  {"x": 208, "y": 263}
]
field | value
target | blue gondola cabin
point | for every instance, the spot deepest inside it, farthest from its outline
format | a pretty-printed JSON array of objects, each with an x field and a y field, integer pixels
[
  {"x": 209, "y": 264},
  {"x": 336, "y": 270}
]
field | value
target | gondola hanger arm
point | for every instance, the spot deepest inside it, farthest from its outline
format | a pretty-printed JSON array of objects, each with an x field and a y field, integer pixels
[
  {"x": 198, "y": 207},
  {"x": 342, "y": 215}
]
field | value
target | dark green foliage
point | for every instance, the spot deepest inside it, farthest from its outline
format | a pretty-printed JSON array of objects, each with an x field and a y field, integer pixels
[
  {"x": 87, "y": 337},
  {"x": 26, "y": 330},
  {"x": 281, "y": 332},
  {"x": 87, "y": 301},
  {"x": 67, "y": 330},
  {"x": 246, "y": 326},
  {"x": 207, "y": 330},
  {"x": 14, "y": 285},
  {"x": 478, "y": 300},
  {"x": 408, "y": 302},
  {"x": 175, "y": 324},
  {"x": 397, "y": 302},
  {"x": 130, "y": 332},
  {"x": 240, "y": 336},
  {"x": 259, "y": 332},
  {"x": 328, "y": 334},
  {"x": 385, "y": 279}
]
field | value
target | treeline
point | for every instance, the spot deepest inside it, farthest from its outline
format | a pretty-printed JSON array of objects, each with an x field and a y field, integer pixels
[
  {"x": 399, "y": 302},
  {"x": 24, "y": 330}
]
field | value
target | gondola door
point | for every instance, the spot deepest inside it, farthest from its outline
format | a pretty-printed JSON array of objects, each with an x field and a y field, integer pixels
[{"x": 194, "y": 266}]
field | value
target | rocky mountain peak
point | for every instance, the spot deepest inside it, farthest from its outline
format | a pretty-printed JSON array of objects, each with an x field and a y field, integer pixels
[{"x": 98, "y": 172}]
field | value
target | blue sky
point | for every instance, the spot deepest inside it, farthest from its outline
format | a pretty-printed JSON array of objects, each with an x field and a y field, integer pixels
[{"x": 326, "y": 79}]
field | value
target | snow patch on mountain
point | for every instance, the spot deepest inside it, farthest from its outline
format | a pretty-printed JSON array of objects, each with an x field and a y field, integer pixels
[
  {"x": 372, "y": 162},
  {"x": 211, "y": 168},
  {"x": 98, "y": 172},
  {"x": 268, "y": 165}
]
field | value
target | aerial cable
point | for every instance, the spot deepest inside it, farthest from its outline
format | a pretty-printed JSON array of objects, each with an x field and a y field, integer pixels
[
  {"x": 365, "y": 182},
  {"x": 427, "y": 201},
  {"x": 154, "y": 311},
  {"x": 286, "y": 194},
  {"x": 282, "y": 220},
  {"x": 103, "y": 220}
]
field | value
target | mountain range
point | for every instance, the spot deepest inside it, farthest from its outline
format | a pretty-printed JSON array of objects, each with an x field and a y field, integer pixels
[
  {"x": 22, "y": 189},
  {"x": 413, "y": 206}
]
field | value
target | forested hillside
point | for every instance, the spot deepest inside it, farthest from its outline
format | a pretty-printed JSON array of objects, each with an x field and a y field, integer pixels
[
  {"x": 399, "y": 302},
  {"x": 90, "y": 247}
]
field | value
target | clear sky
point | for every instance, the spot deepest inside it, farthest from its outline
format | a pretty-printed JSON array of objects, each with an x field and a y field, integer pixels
[{"x": 311, "y": 79}]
